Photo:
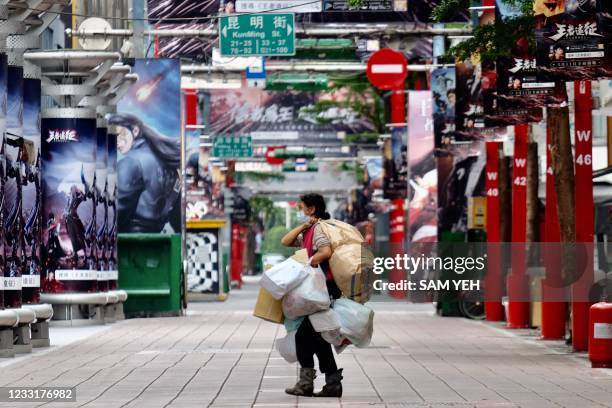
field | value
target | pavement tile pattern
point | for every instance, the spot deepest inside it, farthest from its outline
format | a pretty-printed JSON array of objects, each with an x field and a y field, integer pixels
[{"x": 220, "y": 356}]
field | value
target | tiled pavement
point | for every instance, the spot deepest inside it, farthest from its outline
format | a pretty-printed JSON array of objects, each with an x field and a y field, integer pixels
[{"x": 221, "y": 356}]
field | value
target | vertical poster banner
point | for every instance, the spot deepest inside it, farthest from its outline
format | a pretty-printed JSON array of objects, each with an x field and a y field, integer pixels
[
  {"x": 101, "y": 194},
  {"x": 204, "y": 261},
  {"x": 423, "y": 203},
  {"x": 443, "y": 84},
  {"x": 3, "y": 96},
  {"x": 148, "y": 122},
  {"x": 469, "y": 117},
  {"x": 68, "y": 168},
  {"x": 574, "y": 38},
  {"x": 395, "y": 165},
  {"x": 13, "y": 217},
  {"x": 111, "y": 217},
  {"x": 31, "y": 190}
]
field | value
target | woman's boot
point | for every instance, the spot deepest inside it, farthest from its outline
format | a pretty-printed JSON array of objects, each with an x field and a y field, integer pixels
[
  {"x": 333, "y": 385},
  {"x": 304, "y": 387}
]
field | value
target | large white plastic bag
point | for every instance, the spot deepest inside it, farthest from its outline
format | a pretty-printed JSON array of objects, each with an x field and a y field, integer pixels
[
  {"x": 283, "y": 277},
  {"x": 334, "y": 337},
  {"x": 325, "y": 321},
  {"x": 286, "y": 347},
  {"x": 309, "y": 297},
  {"x": 356, "y": 320}
]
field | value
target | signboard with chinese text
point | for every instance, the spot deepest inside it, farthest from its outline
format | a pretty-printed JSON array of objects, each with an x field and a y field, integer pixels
[
  {"x": 232, "y": 146},
  {"x": 289, "y": 6},
  {"x": 257, "y": 34}
]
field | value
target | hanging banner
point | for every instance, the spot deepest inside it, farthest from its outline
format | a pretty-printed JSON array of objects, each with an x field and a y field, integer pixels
[
  {"x": 68, "y": 168},
  {"x": 3, "y": 90},
  {"x": 395, "y": 166},
  {"x": 12, "y": 201},
  {"x": 148, "y": 122},
  {"x": 112, "y": 220},
  {"x": 443, "y": 84},
  {"x": 101, "y": 194},
  {"x": 422, "y": 210},
  {"x": 469, "y": 117},
  {"x": 31, "y": 190},
  {"x": 282, "y": 114},
  {"x": 374, "y": 171},
  {"x": 574, "y": 38}
]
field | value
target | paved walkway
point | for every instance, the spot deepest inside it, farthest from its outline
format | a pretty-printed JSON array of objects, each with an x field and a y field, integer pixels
[{"x": 221, "y": 356}]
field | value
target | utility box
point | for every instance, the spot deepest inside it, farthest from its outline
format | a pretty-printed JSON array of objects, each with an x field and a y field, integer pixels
[{"x": 151, "y": 272}]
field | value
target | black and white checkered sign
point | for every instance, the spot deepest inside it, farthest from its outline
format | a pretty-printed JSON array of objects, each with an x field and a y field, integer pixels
[{"x": 203, "y": 266}]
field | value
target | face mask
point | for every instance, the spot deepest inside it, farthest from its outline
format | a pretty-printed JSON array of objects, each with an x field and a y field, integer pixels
[{"x": 302, "y": 218}]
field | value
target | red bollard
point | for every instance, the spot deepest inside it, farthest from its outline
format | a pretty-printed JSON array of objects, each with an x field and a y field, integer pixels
[{"x": 600, "y": 335}]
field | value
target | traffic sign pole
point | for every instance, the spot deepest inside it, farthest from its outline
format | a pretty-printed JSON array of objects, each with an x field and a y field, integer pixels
[{"x": 387, "y": 70}]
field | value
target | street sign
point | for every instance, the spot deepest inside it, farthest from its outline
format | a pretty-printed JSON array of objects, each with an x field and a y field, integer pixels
[
  {"x": 256, "y": 74},
  {"x": 257, "y": 34},
  {"x": 387, "y": 69},
  {"x": 232, "y": 146}
]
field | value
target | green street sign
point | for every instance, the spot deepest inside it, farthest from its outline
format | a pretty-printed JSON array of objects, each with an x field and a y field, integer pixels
[
  {"x": 232, "y": 146},
  {"x": 257, "y": 34}
]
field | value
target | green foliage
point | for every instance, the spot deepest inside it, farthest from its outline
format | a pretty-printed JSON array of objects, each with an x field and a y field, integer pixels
[
  {"x": 357, "y": 170},
  {"x": 447, "y": 9},
  {"x": 259, "y": 176},
  {"x": 490, "y": 41},
  {"x": 271, "y": 242}
]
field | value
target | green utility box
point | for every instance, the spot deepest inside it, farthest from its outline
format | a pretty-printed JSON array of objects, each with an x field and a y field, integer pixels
[{"x": 150, "y": 271}]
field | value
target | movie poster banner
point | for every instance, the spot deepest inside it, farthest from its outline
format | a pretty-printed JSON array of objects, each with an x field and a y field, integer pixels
[
  {"x": 285, "y": 114},
  {"x": 12, "y": 200},
  {"x": 31, "y": 190},
  {"x": 68, "y": 167},
  {"x": 422, "y": 208},
  {"x": 469, "y": 118},
  {"x": 443, "y": 84},
  {"x": 574, "y": 38},
  {"x": 101, "y": 208},
  {"x": 3, "y": 90},
  {"x": 395, "y": 165},
  {"x": 110, "y": 239},
  {"x": 148, "y": 125}
]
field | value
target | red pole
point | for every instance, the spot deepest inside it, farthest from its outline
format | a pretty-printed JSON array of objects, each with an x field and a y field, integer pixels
[
  {"x": 583, "y": 164},
  {"x": 554, "y": 310},
  {"x": 494, "y": 310},
  {"x": 518, "y": 281},
  {"x": 397, "y": 217}
]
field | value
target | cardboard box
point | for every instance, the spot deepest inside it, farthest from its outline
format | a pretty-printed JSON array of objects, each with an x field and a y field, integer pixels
[{"x": 268, "y": 308}]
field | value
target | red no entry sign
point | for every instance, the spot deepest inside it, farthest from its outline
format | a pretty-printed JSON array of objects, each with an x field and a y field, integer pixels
[{"x": 387, "y": 69}]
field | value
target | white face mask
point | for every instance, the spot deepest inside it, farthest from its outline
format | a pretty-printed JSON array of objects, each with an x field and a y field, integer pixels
[{"x": 301, "y": 217}]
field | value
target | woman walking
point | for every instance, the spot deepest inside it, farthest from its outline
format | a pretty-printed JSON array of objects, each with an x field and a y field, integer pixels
[{"x": 308, "y": 342}]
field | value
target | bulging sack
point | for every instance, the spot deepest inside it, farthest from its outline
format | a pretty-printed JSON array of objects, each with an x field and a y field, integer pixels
[
  {"x": 286, "y": 347},
  {"x": 340, "y": 233},
  {"x": 309, "y": 297},
  {"x": 283, "y": 277},
  {"x": 356, "y": 320},
  {"x": 325, "y": 320},
  {"x": 352, "y": 268}
]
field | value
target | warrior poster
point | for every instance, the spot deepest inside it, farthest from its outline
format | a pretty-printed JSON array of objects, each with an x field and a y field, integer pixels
[
  {"x": 3, "y": 85},
  {"x": 110, "y": 238},
  {"x": 101, "y": 207},
  {"x": 148, "y": 123},
  {"x": 31, "y": 190},
  {"x": 574, "y": 38},
  {"x": 13, "y": 218},
  {"x": 68, "y": 167},
  {"x": 469, "y": 118},
  {"x": 395, "y": 165},
  {"x": 443, "y": 83}
]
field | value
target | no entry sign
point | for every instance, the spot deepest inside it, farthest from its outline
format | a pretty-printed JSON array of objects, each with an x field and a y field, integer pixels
[{"x": 387, "y": 69}]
